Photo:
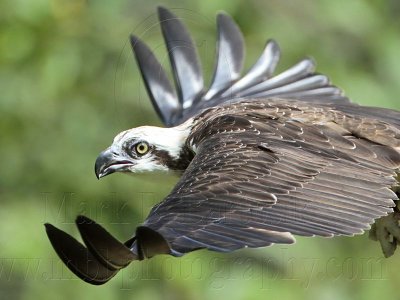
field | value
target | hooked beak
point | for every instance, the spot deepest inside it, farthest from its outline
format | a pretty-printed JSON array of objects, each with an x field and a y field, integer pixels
[{"x": 109, "y": 162}]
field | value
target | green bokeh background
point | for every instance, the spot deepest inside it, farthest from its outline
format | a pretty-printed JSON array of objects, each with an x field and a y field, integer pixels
[{"x": 69, "y": 84}]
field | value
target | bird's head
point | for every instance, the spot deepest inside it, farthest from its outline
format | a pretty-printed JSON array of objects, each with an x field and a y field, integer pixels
[{"x": 143, "y": 149}]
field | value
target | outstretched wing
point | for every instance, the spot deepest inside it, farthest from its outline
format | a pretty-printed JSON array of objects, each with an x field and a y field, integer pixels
[
  {"x": 254, "y": 181},
  {"x": 298, "y": 82}
]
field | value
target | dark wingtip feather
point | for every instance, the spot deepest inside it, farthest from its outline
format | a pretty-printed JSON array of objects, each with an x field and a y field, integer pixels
[
  {"x": 262, "y": 69},
  {"x": 103, "y": 245},
  {"x": 77, "y": 258},
  {"x": 158, "y": 87},
  {"x": 229, "y": 28},
  {"x": 164, "y": 13},
  {"x": 230, "y": 55},
  {"x": 299, "y": 71},
  {"x": 150, "y": 243},
  {"x": 183, "y": 57}
]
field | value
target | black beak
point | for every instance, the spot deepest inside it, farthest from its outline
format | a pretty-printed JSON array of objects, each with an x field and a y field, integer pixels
[{"x": 109, "y": 162}]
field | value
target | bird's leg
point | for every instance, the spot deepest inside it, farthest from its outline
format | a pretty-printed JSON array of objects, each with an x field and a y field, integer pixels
[{"x": 386, "y": 230}]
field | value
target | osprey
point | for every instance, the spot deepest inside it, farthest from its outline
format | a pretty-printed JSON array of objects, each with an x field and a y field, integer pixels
[{"x": 262, "y": 157}]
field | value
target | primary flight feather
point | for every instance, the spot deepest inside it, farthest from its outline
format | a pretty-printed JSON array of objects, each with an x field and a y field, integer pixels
[{"x": 262, "y": 157}]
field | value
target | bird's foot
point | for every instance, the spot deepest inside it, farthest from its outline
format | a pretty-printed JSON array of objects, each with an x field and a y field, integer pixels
[{"x": 386, "y": 230}]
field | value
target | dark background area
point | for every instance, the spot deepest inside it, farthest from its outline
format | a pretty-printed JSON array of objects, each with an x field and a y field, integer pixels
[{"x": 69, "y": 84}]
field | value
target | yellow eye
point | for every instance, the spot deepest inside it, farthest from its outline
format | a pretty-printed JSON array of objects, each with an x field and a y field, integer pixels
[{"x": 142, "y": 148}]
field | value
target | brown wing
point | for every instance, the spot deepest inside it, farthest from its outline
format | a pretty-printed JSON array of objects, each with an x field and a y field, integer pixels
[{"x": 253, "y": 183}]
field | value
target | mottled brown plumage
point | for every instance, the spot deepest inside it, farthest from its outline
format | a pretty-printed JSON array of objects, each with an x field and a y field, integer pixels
[{"x": 264, "y": 168}]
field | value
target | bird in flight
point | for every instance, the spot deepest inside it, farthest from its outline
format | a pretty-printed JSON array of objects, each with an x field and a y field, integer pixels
[{"x": 262, "y": 157}]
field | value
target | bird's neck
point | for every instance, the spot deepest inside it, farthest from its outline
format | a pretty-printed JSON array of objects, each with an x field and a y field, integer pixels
[
  {"x": 180, "y": 163},
  {"x": 174, "y": 151}
]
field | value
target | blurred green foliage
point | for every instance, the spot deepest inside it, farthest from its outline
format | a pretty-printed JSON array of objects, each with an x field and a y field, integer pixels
[{"x": 68, "y": 84}]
